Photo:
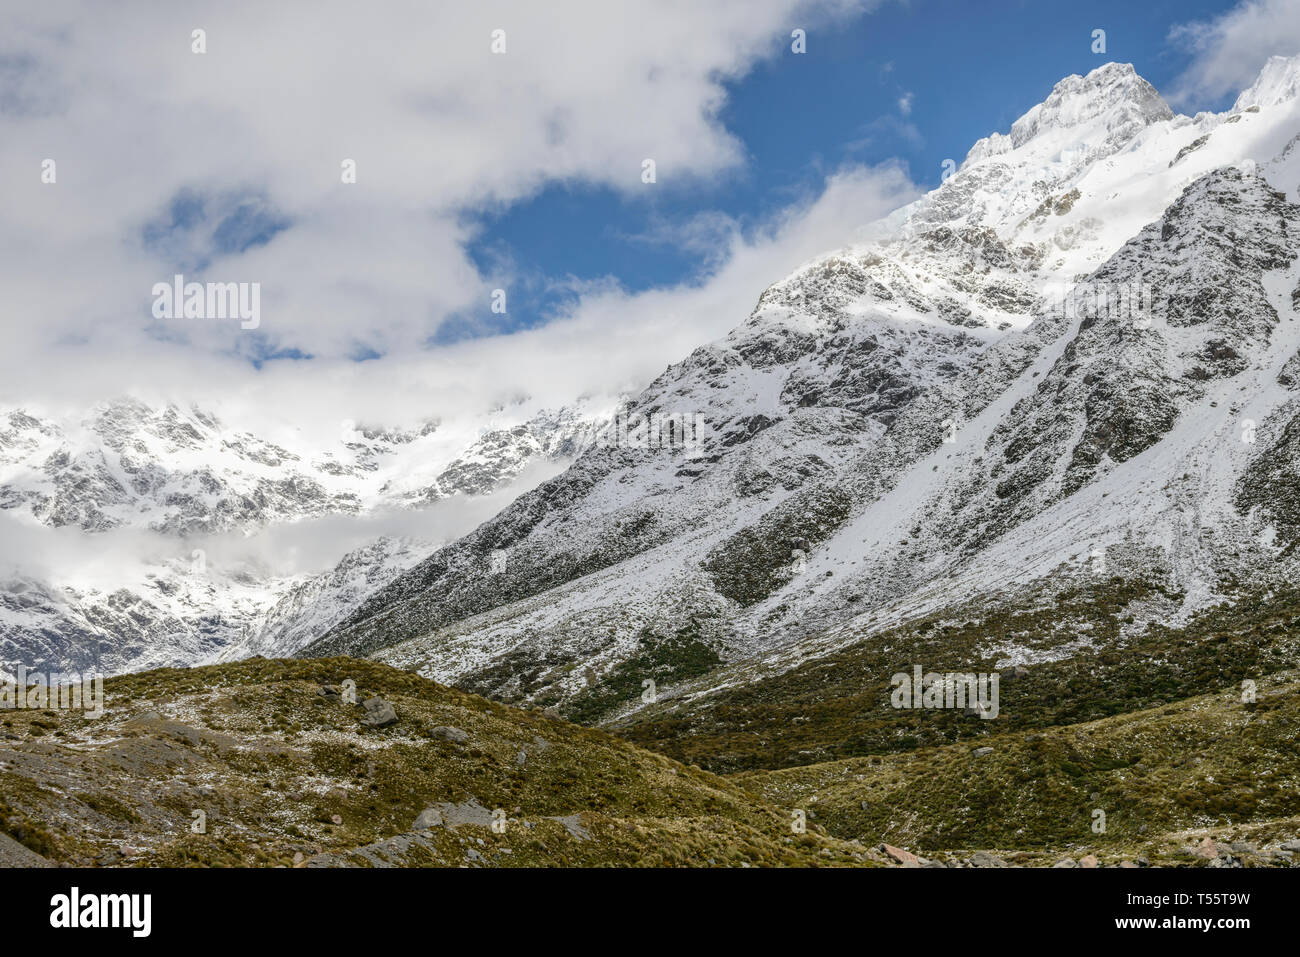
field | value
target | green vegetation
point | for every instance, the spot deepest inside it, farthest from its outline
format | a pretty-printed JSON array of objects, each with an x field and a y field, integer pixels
[
  {"x": 1206, "y": 762},
  {"x": 662, "y": 660},
  {"x": 756, "y": 561},
  {"x": 838, "y": 706},
  {"x": 284, "y": 773},
  {"x": 1146, "y": 724}
]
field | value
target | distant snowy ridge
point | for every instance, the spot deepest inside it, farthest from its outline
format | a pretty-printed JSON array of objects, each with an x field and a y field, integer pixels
[{"x": 138, "y": 535}]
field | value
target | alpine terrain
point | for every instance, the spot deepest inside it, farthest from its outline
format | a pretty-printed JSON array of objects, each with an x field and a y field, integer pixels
[
  {"x": 216, "y": 523},
  {"x": 1040, "y": 428},
  {"x": 1069, "y": 369},
  {"x": 1042, "y": 424}
]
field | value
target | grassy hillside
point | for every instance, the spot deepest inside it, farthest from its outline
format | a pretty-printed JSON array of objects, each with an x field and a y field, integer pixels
[
  {"x": 1149, "y": 727},
  {"x": 286, "y": 775},
  {"x": 1209, "y": 764},
  {"x": 837, "y": 706}
]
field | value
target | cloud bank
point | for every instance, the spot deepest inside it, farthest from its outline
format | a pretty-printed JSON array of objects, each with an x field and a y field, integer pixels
[
  {"x": 1229, "y": 50},
  {"x": 226, "y": 166}
]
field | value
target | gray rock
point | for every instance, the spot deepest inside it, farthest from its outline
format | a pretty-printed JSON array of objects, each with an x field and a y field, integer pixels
[
  {"x": 429, "y": 817},
  {"x": 980, "y": 752},
  {"x": 400, "y": 850},
  {"x": 447, "y": 733},
  {"x": 573, "y": 824},
  {"x": 454, "y": 815},
  {"x": 985, "y": 859},
  {"x": 379, "y": 713}
]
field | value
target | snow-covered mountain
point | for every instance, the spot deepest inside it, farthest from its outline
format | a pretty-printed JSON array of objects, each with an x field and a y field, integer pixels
[
  {"x": 140, "y": 534},
  {"x": 1079, "y": 355}
]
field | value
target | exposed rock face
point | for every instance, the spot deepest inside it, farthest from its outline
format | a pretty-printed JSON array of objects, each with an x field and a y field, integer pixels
[{"x": 1044, "y": 366}]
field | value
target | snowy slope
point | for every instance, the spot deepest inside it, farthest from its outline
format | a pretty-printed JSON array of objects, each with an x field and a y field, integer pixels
[
  {"x": 935, "y": 414},
  {"x": 137, "y": 535}
]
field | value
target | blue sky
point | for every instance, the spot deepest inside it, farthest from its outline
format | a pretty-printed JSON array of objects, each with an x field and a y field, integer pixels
[{"x": 966, "y": 69}]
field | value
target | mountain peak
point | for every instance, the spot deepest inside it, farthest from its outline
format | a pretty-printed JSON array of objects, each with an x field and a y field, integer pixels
[
  {"x": 1113, "y": 94},
  {"x": 1278, "y": 82},
  {"x": 1104, "y": 109}
]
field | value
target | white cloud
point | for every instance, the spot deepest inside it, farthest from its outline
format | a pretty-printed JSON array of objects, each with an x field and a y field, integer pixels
[
  {"x": 437, "y": 124},
  {"x": 610, "y": 341},
  {"x": 905, "y": 104},
  {"x": 125, "y": 557},
  {"x": 1231, "y": 49}
]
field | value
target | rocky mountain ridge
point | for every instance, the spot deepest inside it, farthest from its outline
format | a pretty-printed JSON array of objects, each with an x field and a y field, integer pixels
[
  {"x": 1005, "y": 391},
  {"x": 155, "y": 534}
]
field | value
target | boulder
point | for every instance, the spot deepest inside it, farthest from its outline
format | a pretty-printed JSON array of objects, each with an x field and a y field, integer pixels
[
  {"x": 429, "y": 817},
  {"x": 379, "y": 713},
  {"x": 903, "y": 857},
  {"x": 447, "y": 733}
]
